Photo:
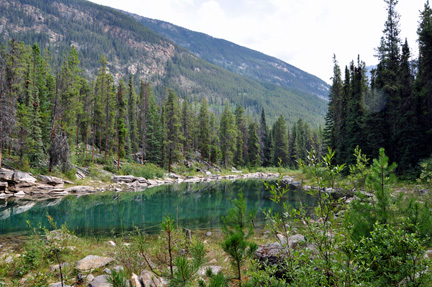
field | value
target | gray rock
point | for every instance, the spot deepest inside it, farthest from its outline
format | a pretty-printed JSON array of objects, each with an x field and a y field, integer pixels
[
  {"x": 20, "y": 194},
  {"x": 273, "y": 253},
  {"x": 24, "y": 179},
  {"x": 295, "y": 240},
  {"x": 135, "y": 281},
  {"x": 51, "y": 180},
  {"x": 6, "y": 174},
  {"x": 92, "y": 262},
  {"x": 100, "y": 281},
  {"x": 56, "y": 267},
  {"x": 208, "y": 234},
  {"x": 123, "y": 178},
  {"x": 3, "y": 185},
  {"x": 9, "y": 260},
  {"x": 90, "y": 278},
  {"x": 58, "y": 284},
  {"x": 80, "y": 189},
  {"x": 148, "y": 279}
]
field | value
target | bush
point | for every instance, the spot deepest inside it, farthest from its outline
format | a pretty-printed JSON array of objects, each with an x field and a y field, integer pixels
[
  {"x": 148, "y": 170},
  {"x": 426, "y": 172}
]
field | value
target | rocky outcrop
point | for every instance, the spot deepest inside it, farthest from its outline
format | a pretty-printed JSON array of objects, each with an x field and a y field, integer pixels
[{"x": 80, "y": 189}]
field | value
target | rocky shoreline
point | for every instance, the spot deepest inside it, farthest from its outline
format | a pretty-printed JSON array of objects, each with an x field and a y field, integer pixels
[{"x": 21, "y": 184}]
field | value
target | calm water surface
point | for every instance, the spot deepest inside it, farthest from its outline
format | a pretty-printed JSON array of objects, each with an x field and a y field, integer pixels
[{"x": 193, "y": 205}]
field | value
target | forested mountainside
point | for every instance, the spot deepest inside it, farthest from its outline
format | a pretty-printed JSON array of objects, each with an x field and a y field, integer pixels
[
  {"x": 133, "y": 49},
  {"x": 238, "y": 59}
]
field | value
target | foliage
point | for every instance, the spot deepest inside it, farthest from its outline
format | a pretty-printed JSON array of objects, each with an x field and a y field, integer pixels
[
  {"x": 118, "y": 278},
  {"x": 426, "y": 172},
  {"x": 149, "y": 170},
  {"x": 390, "y": 256}
]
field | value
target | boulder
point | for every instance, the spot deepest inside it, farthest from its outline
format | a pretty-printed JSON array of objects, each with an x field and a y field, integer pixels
[
  {"x": 100, "y": 281},
  {"x": 3, "y": 186},
  {"x": 51, "y": 180},
  {"x": 272, "y": 253},
  {"x": 80, "y": 189},
  {"x": 6, "y": 174},
  {"x": 295, "y": 240},
  {"x": 123, "y": 178},
  {"x": 23, "y": 179},
  {"x": 135, "y": 281},
  {"x": 92, "y": 262},
  {"x": 148, "y": 279}
]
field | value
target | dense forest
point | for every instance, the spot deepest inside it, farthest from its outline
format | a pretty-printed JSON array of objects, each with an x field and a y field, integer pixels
[
  {"x": 46, "y": 116},
  {"x": 392, "y": 109}
]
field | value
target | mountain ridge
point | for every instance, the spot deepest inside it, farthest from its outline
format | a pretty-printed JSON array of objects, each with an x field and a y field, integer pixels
[
  {"x": 214, "y": 50},
  {"x": 131, "y": 48}
]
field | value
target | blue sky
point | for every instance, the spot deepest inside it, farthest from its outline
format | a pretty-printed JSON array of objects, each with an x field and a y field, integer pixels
[{"x": 304, "y": 33}]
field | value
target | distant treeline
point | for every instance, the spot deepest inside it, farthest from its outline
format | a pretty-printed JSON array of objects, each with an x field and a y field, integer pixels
[{"x": 47, "y": 117}]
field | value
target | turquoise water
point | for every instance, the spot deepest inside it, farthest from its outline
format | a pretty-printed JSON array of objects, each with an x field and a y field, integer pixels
[{"x": 192, "y": 205}]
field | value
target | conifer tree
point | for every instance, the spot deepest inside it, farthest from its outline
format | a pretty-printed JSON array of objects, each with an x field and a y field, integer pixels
[
  {"x": 423, "y": 82},
  {"x": 144, "y": 96},
  {"x": 187, "y": 127},
  {"x": 121, "y": 122},
  {"x": 227, "y": 136},
  {"x": 132, "y": 117},
  {"x": 204, "y": 130},
  {"x": 214, "y": 139},
  {"x": 241, "y": 141},
  {"x": 333, "y": 120},
  {"x": 153, "y": 143},
  {"x": 263, "y": 138},
  {"x": 280, "y": 134},
  {"x": 254, "y": 158},
  {"x": 173, "y": 137}
]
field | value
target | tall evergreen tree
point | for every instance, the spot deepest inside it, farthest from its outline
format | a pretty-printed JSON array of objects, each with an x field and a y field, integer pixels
[
  {"x": 254, "y": 155},
  {"x": 263, "y": 139},
  {"x": 153, "y": 143},
  {"x": 280, "y": 134},
  {"x": 121, "y": 122},
  {"x": 423, "y": 83},
  {"x": 132, "y": 117},
  {"x": 227, "y": 136},
  {"x": 241, "y": 141},
  {"x": 173, "y": 138},
  {"x": 204, "y": 130},
  {"x": 187, "y": 127},
  {"x": 333, "y": 120}
]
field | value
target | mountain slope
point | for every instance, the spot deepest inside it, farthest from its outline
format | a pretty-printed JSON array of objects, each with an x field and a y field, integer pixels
[
  {"x": 132, "y": 48},
  {"x": 238, "y": 59}
]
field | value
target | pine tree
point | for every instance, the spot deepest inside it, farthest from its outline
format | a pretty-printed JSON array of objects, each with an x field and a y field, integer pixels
[
  {"x": 121, "y": 122},
  {"x": 227, "y": 136},
  {"x": 132, "y": 117},
  {"x": 144, "y": 96},
  {"x": 388, "y": 69},
  {"x": 153, "y": 143},
  {"x": 214, "y": 139},
  {"x": 254, "y": 158},
  {"x": 173, "y": 137},
  {"x": 241, "y": 142},
  {"x": 204, "y": 130},
  {"x": 423, "y": 82},
  {"x": 280, "y": 134},
  {"x": 263, "y": 138},
  {"x": 333, "y": 120},
  {"x": 187, "y": 127}
]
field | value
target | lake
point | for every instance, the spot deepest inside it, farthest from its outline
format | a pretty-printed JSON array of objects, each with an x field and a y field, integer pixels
[{"x": 192, "y": 205}]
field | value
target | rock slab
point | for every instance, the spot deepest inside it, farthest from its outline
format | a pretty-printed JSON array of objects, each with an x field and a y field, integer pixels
[{"x": 92, "y": 262}]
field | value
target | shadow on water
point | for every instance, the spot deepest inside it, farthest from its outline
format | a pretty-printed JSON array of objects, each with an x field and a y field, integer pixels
[{"x": 192, "y": 205}]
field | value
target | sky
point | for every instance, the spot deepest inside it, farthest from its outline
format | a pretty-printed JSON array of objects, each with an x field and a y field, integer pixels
[{"x": 303, "y": 33}]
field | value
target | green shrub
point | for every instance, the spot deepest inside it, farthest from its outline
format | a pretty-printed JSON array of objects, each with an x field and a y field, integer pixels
[
  {"x": 426, "y": 172},
  {"x": 148, "y": 170}
]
